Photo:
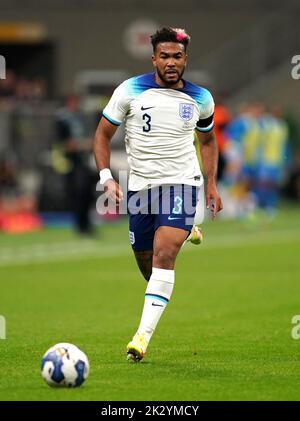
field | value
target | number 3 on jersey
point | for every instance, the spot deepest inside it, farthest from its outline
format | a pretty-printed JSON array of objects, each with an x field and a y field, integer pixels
[{"x": 147, "y": 125}]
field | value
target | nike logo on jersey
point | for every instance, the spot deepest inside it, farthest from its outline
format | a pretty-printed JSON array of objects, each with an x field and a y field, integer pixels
[
  {"x": 146, "y": 108},
  {"x": 170, "y": 218},
  {"x": 156, "y": 305}
]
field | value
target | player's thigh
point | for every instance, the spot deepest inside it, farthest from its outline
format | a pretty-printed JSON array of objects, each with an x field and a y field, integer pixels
[
  {"x": 141, "y": 235},
  {"x": 177, "y": 207},
  {"x": 141, "y": 222},
  {"x": 169, "y": 239},
  {"x": 141, "y": 229},
  {"x": 167, "y": 243},
  {"x": 174, "y": 223},
  {"x": 141, "y": 232}
]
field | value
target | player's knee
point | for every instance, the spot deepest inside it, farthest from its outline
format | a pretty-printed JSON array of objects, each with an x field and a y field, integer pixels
[{"x": 166, "y": 255}]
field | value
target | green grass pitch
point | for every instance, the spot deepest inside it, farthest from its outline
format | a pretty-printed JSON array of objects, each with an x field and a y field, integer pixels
[{"x": 226, "y": 334}]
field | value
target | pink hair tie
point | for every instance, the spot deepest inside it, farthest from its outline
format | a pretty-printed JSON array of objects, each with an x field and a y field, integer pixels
[{"x": 180, "y": 36}]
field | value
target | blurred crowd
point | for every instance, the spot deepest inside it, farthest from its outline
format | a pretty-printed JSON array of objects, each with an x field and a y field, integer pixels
[
  {"x": 14, "y": 89},
  {"x": 259, "y": 160},
  {"x": 20, "y": 98}
]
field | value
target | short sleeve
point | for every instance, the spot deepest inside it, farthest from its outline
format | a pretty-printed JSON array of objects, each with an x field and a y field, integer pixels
[
  {"x": 207, "y": 107},
  {"x": 118, "y": 105}
]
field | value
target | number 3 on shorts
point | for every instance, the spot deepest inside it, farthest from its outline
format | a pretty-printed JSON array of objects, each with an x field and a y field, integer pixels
[{"x": 178, "y": 205}]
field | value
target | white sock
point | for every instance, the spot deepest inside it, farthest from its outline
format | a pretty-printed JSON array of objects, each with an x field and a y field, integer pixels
[{"x": 157, "y": 296}]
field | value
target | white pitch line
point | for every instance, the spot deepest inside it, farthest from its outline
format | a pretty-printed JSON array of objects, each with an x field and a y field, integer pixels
[
  {"x": 59, "y": 252},
  {"x": 76, "y": 250}
]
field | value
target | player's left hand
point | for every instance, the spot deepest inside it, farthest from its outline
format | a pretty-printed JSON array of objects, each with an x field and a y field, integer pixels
[{"x": 213, "y": 200}]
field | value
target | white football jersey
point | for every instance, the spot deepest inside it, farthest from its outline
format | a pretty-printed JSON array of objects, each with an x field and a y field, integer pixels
[{"x": 159, "y": 127}]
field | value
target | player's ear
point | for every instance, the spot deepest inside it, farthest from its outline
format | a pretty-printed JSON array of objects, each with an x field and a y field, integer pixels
[{"x": 185, "y": 61}]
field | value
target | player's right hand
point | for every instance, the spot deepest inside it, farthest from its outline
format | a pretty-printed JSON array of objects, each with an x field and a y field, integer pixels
[
  {"x": 213, "y": 200},
  {"x": 113, "y": 191}
]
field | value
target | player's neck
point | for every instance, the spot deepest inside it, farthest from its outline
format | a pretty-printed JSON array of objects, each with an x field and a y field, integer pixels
[{"x": 160, "y": 82}]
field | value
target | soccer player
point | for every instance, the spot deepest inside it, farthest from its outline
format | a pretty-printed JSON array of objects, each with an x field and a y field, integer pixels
[{"x": 161, "y": 111}]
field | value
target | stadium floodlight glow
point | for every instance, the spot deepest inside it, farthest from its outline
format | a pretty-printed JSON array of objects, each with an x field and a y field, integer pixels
[
  {"x": 2, "y": 67},
  {"x": 2, "y": 327}
]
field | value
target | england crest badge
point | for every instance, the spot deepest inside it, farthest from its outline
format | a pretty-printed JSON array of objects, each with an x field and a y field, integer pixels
[{"x": 186, "y": 111}]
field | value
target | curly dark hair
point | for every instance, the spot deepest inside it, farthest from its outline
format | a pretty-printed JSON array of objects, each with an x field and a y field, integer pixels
[{"x": 168, "y": 34}]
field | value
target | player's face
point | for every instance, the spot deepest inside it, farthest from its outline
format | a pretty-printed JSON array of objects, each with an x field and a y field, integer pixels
[{"x": 169, "y": 62}]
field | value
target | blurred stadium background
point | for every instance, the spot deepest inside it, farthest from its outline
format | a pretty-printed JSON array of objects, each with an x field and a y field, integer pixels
[
  {"x": 66, "y": 58},
  {"x": 241, "y": 52}
]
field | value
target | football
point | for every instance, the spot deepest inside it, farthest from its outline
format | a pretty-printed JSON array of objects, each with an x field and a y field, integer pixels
[{"x": 64, "y": 365}]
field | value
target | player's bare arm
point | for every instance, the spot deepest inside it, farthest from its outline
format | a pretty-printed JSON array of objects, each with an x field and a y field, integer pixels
[
  {"x": 101, "y": 147},
  {"x": 209, "y": 155}
]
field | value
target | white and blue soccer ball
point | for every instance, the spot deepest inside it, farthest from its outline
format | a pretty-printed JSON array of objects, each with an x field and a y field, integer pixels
[{"x": 65, "y": 365}]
